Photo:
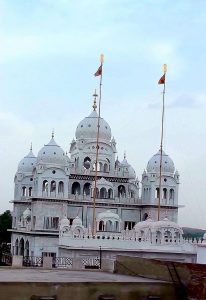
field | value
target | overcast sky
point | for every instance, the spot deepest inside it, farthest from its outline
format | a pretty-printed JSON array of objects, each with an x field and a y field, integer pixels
[{"x": 49, "y": 51}]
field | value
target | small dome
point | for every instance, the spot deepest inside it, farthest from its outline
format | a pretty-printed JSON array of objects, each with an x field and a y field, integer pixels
[
  {"x": 52, "y": 154},
  {"x": 64, "y": 222},
  {"x": 108, "y": 215},
  {"x": 129, "y": 168},
  {"x": 77, "y": 222},
  {"x": 27, "y": 164},
  {"x": 87, "y": 128},
  {"x": 27, "y": 213},
  {"x": 166, "y": 223},
  {"x": 153, "y": 165},
  {"x": 147, "y": 223}
]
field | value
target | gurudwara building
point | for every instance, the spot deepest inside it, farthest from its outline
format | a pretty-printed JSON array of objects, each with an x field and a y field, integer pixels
[{"x": 53, "y": 199}]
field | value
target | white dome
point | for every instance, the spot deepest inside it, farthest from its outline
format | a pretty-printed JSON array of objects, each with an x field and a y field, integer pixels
[
  {"x": 154, "y": 163},
  {"x": 108, "y": 215},
  {"x": 27, "y": 164},
  {"x": 166, "y": 223},
  {"x": 77, "y": 222},
  {"x": 87, "y": 128},
  {"x": 147, "y": 223},
  {"x": 64, "y": 222},
  {"x": 52, "y": 154},
  {"x": 131, "y": 171}
]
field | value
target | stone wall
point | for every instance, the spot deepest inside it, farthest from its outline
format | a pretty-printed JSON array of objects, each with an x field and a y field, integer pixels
[{"x": 86, "y": 290}]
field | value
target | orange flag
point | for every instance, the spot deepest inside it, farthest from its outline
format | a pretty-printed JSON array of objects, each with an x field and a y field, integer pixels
[
  {"x": 99, "y": 71},
  {"x": 162, "y": 80}
]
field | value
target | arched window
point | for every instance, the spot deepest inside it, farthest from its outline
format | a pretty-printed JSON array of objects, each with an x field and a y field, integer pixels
[
  {"x": 108, "y": 164},
  {"x": 172, "y": 193},
  {"x": 109, "y": 226},
  {"x": 53, "y": 186},
  {"x": 17, "y": 247},
  {"x": 76, "y": 188},
  {"x": 105, "y": 168},
  {"x": 158, "y": 237},
  {"x": 168, "y": 236},
  {"x": 145, "y": 216},
  {"x": 45, "y": 186},
  {"x": 103, "y": 193},
  {"x": 164, "y": 193},
  {"x": 77, "y": 162},
  {"x": 157, "y": 193},
  {"x": 101, "y": 226},
  {"x": 61, "y": 187},
  {"x": 116, "y": 226},
  {"x": 121, "y": 191},
  {"x": 110, "y": 193},
  {"x": 87, "y": 162},
  {"x": 132, "y": 194},
  {"x": 27, "y": 248},
  {"x": 24, "y": 191},
  {"x": 21, "y": 247},
  {"x": 30, "y": 191},
  {"x": 86, "y": 189},
  {"x": 100, "y": 167},
  {"x": 97, "y": 193}
]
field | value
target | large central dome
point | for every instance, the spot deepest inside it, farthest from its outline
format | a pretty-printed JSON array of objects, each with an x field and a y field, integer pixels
[{"x": 87, "y": 128}]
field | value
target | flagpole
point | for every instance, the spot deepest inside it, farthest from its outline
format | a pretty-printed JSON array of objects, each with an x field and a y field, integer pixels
[
  {"x": 161, "y": 143},
  {"x": 97, "y": 150}
]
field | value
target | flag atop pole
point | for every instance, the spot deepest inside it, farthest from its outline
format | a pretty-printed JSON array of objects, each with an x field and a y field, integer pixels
[
  {"x": 162, "y": 80},
  {"x": 98, "y": 72}
]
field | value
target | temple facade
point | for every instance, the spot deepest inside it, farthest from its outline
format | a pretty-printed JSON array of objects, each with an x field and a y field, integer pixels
[{"x": 55, "y": 186}]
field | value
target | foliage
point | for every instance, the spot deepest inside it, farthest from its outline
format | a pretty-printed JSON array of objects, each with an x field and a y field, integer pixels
[
  {"x": 5, "y": 223},
  {"x": 192, "y": 233}
]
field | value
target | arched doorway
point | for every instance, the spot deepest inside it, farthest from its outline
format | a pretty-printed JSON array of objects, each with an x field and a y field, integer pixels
[
  {"x": 87, "y": 162},
  {"x": 61, "y": 187},
  {"x": 121, "y": 191},
  {"x": 87, "y": 189},
  {"x": 27, "y": 248},
  {"x": 76, "y": 188},
  {"x": 103, "y": 193},
  {"x": 145, "y": 216},
  {"x": 21, "y": 247},
  {"x": 110, "y": 193},
  {"x": 45, "y": 187},
  {"x": 17, "y": 247}
]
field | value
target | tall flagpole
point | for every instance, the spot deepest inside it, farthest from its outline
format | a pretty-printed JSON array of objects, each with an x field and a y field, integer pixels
[
  {"x": 97, "y": 146},
  {"x": 161, "y": 142}
]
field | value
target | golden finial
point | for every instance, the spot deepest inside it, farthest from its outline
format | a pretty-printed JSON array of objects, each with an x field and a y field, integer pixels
[
  {"x": 52, "y": 133},
  {"x": 95, "y": 101},
  {"x": 102, "y": 59},
  {"x": 165, "y": 68},
  {"x": 31, "y": 147}
]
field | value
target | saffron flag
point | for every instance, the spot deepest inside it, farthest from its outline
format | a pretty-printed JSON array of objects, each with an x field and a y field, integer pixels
[
  {"x": 162, "y": 80},
  {"x": 99, "y": 71}
]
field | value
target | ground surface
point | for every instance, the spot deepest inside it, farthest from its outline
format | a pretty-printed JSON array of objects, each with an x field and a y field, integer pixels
[{"x": 41, "y": 275}]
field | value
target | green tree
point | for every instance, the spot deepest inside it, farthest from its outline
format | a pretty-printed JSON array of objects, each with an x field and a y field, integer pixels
[{"x": 5, "y": 223}]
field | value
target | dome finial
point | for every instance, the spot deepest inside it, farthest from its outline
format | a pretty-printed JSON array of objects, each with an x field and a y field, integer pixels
[
  {"x": 31, "y": 147},
  {"x": 95, "y": 101},
  {"x": 52, "y": 133},
  {"x": 125, "y": 155}
]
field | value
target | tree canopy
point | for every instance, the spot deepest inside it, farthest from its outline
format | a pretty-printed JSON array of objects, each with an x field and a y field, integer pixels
[{"x": 5, "y": 223}]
